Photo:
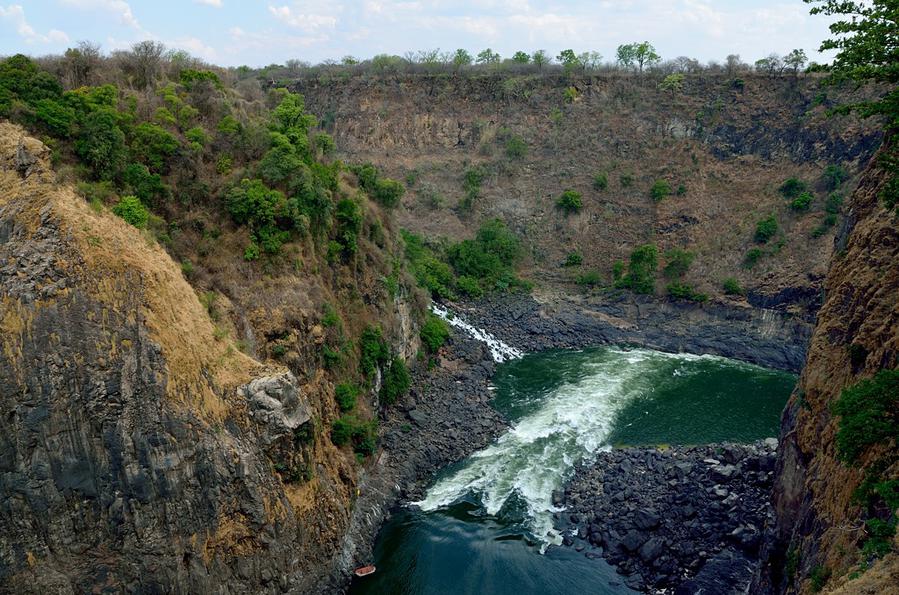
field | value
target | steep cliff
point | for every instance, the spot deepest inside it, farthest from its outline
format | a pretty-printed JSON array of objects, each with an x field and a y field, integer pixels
[
  {"x": 820, "y": 525},
  {"x": 140, "y": 448},
  {"x": 723, "y": 145}
]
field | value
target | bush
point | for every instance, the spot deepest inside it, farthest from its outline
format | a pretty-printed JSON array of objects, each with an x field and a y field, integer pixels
[
  {"x": 834, "y": 203},
  {"x": 573, "y": 259},
  {"x": 641, "y": 271},
  {"x": 388, "y": 192},
  {"x": 732, "y": 287},
  {"x": 659, "y": 190},
  {"x": 869, "y": 415},
  {"x": 626, "y": 180},
  {"x": 752, "y": 257},
  {"x": 765, "y": 229},
  {"x": 396, "y": 381},
  {"x": 373, "y": 351},
  {"x": 588, "y": 279},
  {"x": 570, "y": 202},
  {"x": 683, "y": 291},
  {"x": 834, "y": 176},
  {"x": 434, "y": 333},
  {"x": 678, "y": 261},
  {"x": 600, "y": 182},
  {"x": 362, "y": 434},
  {"x": 802, "y": 202},
  {"x": 516, "y": 148},
  {"x": 153, "y": 146},
  {"x": 346, "y": 394},
  {"x": 469, "y": 286},
  {"x": 792, "y": 188},
  {"x": 132, "y": 210}
]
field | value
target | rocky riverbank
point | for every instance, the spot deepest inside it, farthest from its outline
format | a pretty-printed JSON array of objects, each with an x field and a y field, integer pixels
[
  {"x": 444, "y": 418},
  {"x": 687, "y": 519},
  {"x": 773, "y": 338}
]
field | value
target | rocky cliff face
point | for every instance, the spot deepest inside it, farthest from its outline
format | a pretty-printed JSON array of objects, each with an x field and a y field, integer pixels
[
  {"x": 140, "y": 449},
  {"x": 815, "y": 541},
  {"x": 724, "y": 145}
]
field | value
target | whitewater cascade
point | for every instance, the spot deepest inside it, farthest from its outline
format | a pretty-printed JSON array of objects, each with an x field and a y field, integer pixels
[{"x": 500, "y": 351}]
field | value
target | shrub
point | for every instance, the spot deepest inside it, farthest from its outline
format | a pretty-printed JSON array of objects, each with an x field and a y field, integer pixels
[
  {"x": 626, "y": 180},
  {"x": 617, "y": 270},
  {"x": 373, "y": 350},
  {"x": 396, "y": 381},
  {"x": 570, "y": 201},
  {"x": 132, "y": 210},
  {"x": 765, "y": 229},
  {"x": 641, "y": 271},
  {"x": 678, "y": 261},
  {"x": 348, "y": 217},
  {"x": 752, "y": 257},
  {"x": 681, "y": 190},
  {"x": 869, "y": 414},
  {"x": 429, "y": 271},
  {"x": 659, "y": 190},
  {"x": 346, "y": 394},
  {"x": 362, "y": 434},
  {"x": 685, "y": 292},
  {"x": 153, "y": 146},
  {"x": 792, "y": 188},
  {"x": 732, "y": 287},
  {"x": 516, "y": 148},
  {"x": 588, "y": 279},
  {"x": 834, "y": 203},
  {"x": 802, "y": 202},
  {"x": 672, "y": 82},
  {"x": 834, "y": 176},
  {"x": 573, "y": 259},
  {"x": 388, "y": 192},
  {"x": 434, "y": 333},
  {"x": 471, "y": 184},
  {"x": 600, "y": 181},
  {"x": 469, "y": 286}
]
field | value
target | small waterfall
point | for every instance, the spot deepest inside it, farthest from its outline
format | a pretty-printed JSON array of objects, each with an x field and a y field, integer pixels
[{"x": 500, "y": 351}]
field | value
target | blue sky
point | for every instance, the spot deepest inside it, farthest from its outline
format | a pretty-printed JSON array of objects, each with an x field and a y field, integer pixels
[{"x": 255, "y": 32}]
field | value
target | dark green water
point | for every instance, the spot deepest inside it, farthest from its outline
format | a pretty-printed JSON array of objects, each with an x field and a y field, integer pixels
[{"x": 485, "y": 521}]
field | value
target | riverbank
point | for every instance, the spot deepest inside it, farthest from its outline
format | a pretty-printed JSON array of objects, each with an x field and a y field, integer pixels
[
  {"x": 767, "y": 337},
  {"x": 445, "y": 417},
  {"x": 681, "y": 518}
]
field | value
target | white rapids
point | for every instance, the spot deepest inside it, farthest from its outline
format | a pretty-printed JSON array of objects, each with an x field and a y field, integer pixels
[{"x": 533, "y": 459}]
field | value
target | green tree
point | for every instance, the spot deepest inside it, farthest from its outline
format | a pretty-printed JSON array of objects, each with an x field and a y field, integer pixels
[
  {"x": 153, "y": 146},
  {"x": 795, "y": 60},
  {"x": 865, "y": 39},
  {"x": 765, "y": 229},
  {"x": 101, "y": 144},
  {"x": 488, "y": 56},
  {"x": 568, "y": 60},
  {"x": 540, "y": 59},
  {"x": 521, "y": 57},
  {"x": 396, "y": 381},
  {"x": 462, "y": 58},
  {"x": 641, "y": 272},
  {"x": 637, "y": 55}
]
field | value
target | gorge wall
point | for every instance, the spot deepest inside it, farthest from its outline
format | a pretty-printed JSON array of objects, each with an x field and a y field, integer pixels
[
  {"x": 141, "y": 448},
  {"x": 820, "y": 526},
  {"x": 728, "y": 142}
]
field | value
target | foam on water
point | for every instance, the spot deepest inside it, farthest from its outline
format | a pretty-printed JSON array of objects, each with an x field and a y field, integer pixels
[
  {"x": 532, "y": 459},
  {"x": 500, "y": 351}
]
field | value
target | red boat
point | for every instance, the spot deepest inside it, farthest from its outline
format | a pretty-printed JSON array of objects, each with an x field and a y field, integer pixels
[{"x": 364, "y": 571}]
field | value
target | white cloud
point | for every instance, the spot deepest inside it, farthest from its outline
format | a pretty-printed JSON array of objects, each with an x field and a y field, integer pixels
[
  {"x": 118, "y": 7},
  {"x": 15, "y": 14},
  {"x": 307, "y": 21},
  {"x": 214, "y": 3}
]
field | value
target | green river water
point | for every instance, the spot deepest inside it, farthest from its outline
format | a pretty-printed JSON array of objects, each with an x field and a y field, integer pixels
[{"x": 485, "y": 526}]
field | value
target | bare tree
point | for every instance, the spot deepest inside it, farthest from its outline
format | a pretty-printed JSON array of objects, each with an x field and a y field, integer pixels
[
  {"x": 143, "y": 63},
  {"x": 80, "y": 64}
]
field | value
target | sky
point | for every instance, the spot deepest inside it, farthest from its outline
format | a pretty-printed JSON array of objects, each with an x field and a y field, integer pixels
[{"x": 259, "y": 32}]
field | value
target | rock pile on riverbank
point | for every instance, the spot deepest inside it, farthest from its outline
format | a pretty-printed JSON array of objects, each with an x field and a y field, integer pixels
[{"x": 683, "y": 518}]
